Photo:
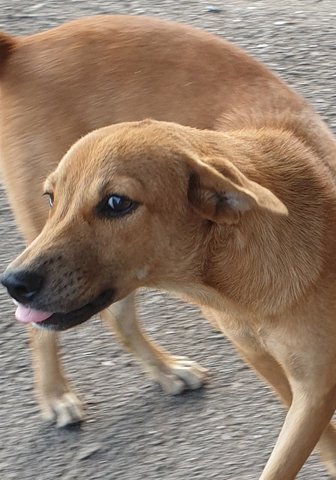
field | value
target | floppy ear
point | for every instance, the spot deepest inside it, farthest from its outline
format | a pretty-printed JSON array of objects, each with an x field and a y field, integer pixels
[
  {"x": 7, "y": 44},
  {"x": 221, "y": 196}
]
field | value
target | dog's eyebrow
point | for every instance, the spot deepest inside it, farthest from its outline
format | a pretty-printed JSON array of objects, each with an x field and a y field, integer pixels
[
  {"x": 122, "y": 185},
  {"x": 49, "y": 184},
  {"x": 104, "y": 187}
]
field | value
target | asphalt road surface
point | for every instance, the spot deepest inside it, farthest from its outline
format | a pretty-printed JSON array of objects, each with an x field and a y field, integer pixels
[{"x": 133, "y": 430}]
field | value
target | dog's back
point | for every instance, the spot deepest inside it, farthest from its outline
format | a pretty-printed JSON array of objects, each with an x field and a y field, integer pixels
[{"x": 58, "y": 85}]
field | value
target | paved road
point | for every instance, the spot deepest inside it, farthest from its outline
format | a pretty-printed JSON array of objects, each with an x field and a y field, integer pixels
[{"x": 133, "y": 431}]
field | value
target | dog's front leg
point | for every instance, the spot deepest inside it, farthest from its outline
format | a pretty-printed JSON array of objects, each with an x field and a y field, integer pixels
[
  {"x": 327, "y": 449},
  {"x": 270, "y": 370},
  {"x": 174, "y": 374},
  {"x": 57, "y": 400},
  {"x": 310, "y": 369},
  {"x": 307, "y": 418}
]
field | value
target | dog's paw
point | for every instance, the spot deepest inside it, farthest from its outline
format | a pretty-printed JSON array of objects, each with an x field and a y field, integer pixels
[
  {"x": 331, "y": 467},
  {"x": 65, "y": 409},
  {"x": 180, "y": 374}
]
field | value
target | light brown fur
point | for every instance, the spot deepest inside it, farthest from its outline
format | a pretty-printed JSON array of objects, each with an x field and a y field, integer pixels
[{"x": 240, "y": 221}]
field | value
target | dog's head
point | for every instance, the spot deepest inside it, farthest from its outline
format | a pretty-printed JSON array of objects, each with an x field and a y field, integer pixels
[{"x": 131, "y": 205}]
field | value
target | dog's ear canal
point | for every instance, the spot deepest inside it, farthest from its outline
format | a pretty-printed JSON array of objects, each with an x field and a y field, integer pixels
[{"x": 222, "y": 195}]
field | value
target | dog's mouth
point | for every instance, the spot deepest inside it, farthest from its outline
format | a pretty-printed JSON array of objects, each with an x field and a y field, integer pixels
[{"x": 64, "y": 321}]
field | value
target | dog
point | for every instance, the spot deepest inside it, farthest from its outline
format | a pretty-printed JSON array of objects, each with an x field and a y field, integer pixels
[{"x": 227, "y": 197}]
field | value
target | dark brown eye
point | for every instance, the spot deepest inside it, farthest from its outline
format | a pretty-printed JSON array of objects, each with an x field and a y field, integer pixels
[
  {"x": 50, "y": 198},
  {"x": 116, "y": 206}
]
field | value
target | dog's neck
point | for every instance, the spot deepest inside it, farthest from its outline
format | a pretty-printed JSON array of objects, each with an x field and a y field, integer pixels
[{"x": 267, "y": 263}]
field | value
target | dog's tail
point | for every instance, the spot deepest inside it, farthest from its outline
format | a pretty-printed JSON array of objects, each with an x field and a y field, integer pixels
[{"x": 7, "y": 45}]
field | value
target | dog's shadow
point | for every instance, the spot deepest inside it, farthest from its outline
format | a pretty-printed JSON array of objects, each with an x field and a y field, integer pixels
[{"x": 148, "y": 419}]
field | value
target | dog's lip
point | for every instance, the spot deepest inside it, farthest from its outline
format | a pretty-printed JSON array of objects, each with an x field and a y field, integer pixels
[{"x": 64, "y": 321}]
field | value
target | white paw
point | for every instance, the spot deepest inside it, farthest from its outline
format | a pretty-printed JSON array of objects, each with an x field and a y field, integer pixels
[
  {"x": 180, "y": 374},
  {"x": 331, "y": 467},
  {"x": 65, "y": 409}
]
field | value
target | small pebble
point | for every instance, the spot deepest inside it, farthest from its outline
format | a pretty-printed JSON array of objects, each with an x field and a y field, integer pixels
[
  {"x": 89, "y": 451},
  {"x": 213, "y": 9}
]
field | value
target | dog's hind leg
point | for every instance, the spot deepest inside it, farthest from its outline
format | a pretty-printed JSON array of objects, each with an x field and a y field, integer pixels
[
  {"x": 58, "y": 402},
  {"x": 174, "y": 374}
]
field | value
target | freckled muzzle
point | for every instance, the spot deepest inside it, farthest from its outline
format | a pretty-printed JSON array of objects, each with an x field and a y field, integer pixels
[{"x": 25, "y": 287}]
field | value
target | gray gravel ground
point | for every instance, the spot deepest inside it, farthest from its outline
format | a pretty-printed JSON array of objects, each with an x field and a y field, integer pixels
[{"x": 133, "y": 430}]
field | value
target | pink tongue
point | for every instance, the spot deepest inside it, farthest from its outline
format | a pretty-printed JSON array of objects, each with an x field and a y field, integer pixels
[{"x": 26, "y": 315}]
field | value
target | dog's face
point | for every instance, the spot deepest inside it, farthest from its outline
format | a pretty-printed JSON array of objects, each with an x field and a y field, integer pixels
[{"x": 130, "y": 205}]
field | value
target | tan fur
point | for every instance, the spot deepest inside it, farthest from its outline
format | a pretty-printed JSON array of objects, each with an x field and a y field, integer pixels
[{"x": 240, "y": 221}]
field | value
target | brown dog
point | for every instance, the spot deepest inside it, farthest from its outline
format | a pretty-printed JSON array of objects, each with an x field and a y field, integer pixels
[{"x": 239, "y": 221}]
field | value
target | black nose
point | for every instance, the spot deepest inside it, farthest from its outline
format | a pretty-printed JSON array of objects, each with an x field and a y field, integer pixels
[{"x": 22, "y": 285}]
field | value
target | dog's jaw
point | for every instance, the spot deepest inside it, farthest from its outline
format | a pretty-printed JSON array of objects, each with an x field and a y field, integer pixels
[{"x": 64, "y": 321}]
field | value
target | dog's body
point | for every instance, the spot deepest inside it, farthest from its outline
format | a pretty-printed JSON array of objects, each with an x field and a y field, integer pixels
[{"x": 248, "y": 214}]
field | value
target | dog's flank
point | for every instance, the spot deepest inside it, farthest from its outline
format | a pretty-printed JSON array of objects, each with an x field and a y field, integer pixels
[{"x": 240, "y": 221}]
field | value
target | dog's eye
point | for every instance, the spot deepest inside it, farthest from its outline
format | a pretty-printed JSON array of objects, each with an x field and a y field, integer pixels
[
  {"x": 117, "y": 206},
  {"x": 50, "y": 198}
]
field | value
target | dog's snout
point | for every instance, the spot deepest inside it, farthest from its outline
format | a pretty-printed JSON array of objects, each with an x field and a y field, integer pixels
[{"x": 22, "y": 285}]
